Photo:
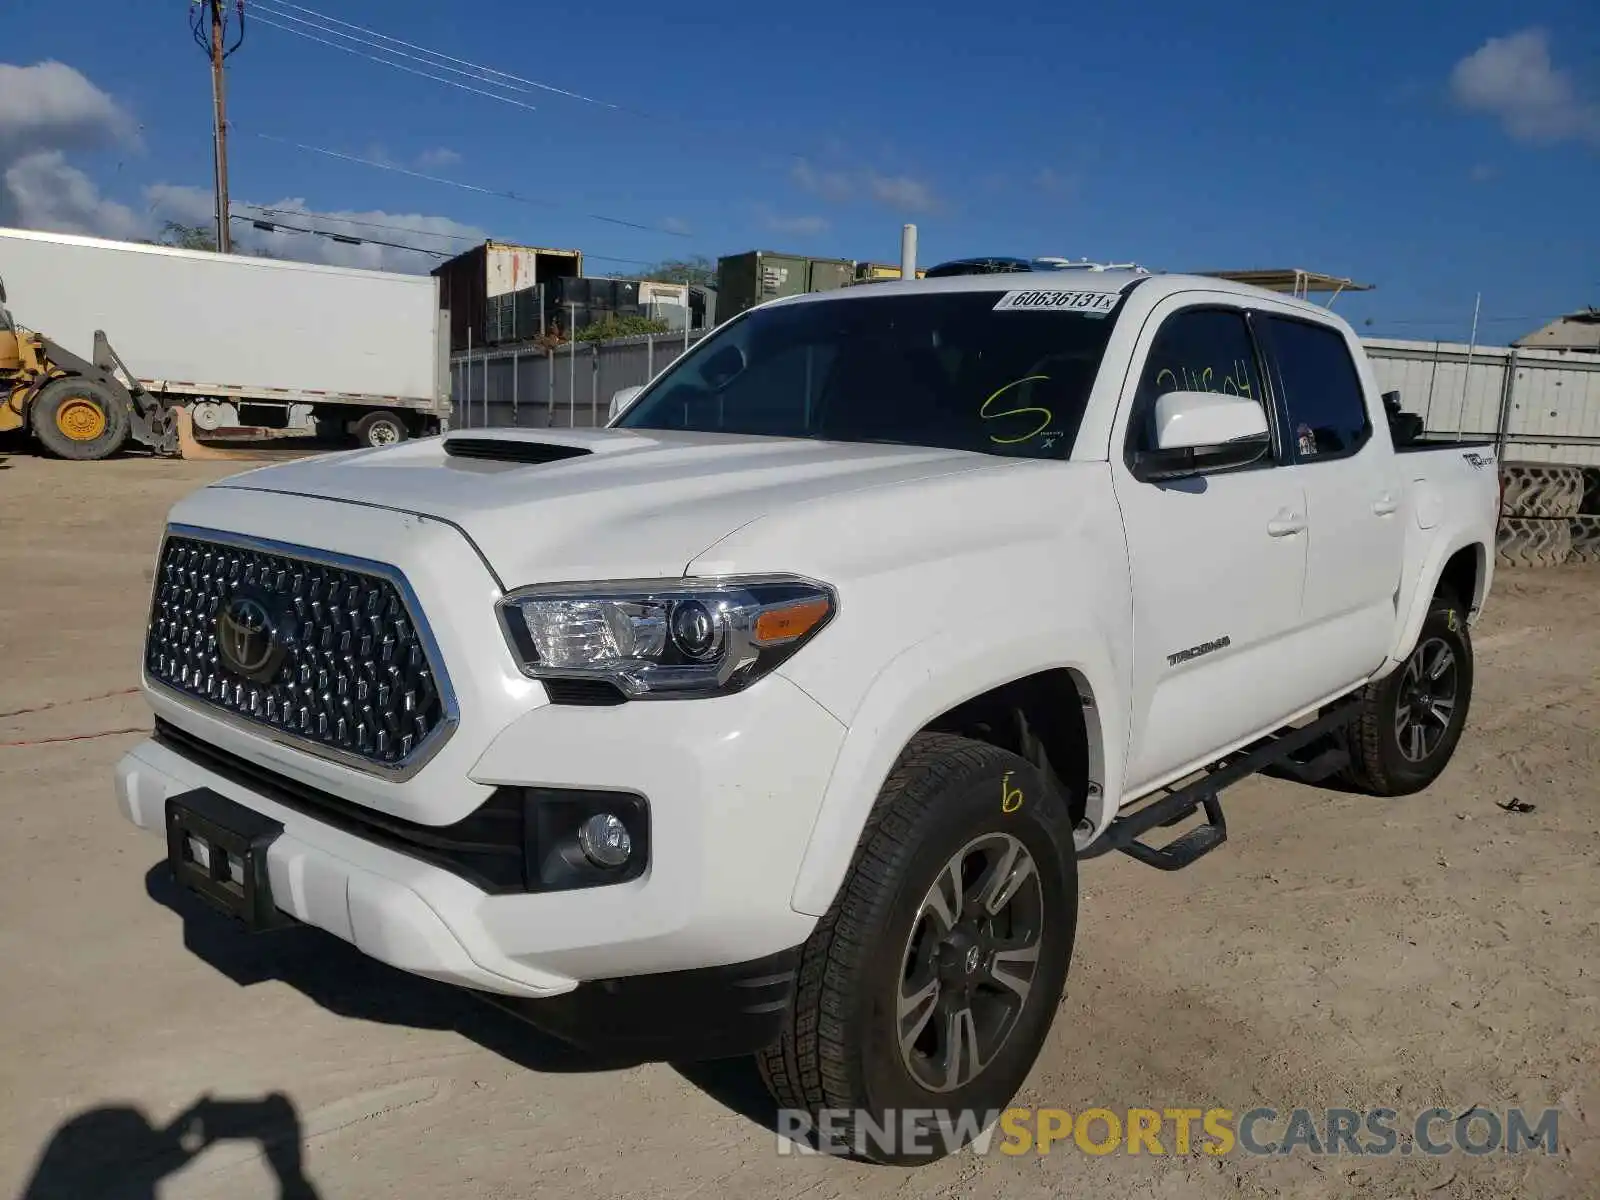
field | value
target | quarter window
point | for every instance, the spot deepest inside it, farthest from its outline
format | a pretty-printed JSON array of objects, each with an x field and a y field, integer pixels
[
  {"x": 1322, "y": 392},
  {"x": 1197, "y": 350}
]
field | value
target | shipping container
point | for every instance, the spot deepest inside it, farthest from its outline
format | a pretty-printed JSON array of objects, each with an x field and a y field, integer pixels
[
  {"x": 467, "y": 281},
  {"x": 651, "y": 292},
  {"x": 867, "y": 272},
  {"x": 745, "y": 280},
  {"x": 830, "y": 273}
]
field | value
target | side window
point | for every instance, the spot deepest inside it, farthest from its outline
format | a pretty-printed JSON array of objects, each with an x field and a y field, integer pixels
[
  {"x": 1328, "y": 415},
  {"x": 1197, "y": 350}
]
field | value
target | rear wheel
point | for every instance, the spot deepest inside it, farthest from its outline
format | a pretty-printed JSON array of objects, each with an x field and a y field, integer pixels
[
  {"x": 927, "y": 991},
  {"x": 380, "y": 429},
  {"x": 1411, "y": 720},
  {"x": 79, "y": 419}
]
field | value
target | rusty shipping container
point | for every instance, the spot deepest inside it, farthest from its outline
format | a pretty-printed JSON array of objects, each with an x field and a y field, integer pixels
[{"x": 494, "y": 269}]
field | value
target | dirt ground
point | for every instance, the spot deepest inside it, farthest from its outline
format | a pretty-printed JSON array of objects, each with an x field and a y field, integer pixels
[{"x": 1340, "y": 951}]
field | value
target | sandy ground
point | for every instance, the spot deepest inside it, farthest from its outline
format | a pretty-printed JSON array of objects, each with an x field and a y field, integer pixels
[{"x": 1340, "y": 951}]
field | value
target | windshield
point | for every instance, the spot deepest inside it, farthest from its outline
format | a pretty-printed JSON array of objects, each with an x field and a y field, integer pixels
[{"x": 980, "y": 370}]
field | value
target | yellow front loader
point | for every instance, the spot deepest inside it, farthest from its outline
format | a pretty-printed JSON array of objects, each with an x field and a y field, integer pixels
[{"x": 75, "y": 407}]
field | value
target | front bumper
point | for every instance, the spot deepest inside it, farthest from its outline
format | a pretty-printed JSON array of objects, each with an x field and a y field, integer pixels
[{"x": 733, "y": 786}]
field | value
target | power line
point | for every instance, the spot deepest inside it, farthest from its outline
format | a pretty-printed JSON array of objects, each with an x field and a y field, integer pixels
[
  {"x": 479, "y": 74},
  {"x": 276, "y": 226},
  {"x": 447, "y": 57},
  {"x": 455, "y": 237},
  {"x": 316, "y": 216},
  {"x": 470, "y": 187},
  {"x": 397, "y": 66}
]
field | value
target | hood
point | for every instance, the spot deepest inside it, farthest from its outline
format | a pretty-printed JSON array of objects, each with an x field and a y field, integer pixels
[{"x": 547, "y": 506}]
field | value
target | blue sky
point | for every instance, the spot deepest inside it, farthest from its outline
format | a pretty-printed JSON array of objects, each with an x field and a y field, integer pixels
[{"x": 1436, "y": 151}]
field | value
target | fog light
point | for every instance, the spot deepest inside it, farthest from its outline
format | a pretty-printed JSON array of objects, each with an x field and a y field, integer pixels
[{"x": 604, "y": 840}]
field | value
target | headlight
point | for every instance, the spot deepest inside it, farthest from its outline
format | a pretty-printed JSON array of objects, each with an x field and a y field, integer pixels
[{"x": 665, "y": 639}]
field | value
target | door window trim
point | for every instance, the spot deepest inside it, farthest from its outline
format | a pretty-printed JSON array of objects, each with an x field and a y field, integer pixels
[
  {"x": 1269, "y": 346},
  {"x": 1281, "y": 454}
]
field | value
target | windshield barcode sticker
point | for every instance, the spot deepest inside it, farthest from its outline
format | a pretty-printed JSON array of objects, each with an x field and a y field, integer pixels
[{"x": 1093, "y": 304}]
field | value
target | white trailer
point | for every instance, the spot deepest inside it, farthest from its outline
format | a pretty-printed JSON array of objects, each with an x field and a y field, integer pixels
[{"x": 242, "y": 340}]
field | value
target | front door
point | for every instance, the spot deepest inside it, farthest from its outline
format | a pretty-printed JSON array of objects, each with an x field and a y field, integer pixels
[{"x": 1218, "y": 561}]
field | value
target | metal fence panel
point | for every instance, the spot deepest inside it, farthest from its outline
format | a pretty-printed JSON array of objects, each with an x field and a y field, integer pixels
[
  {"x": 1552, "y": 413},
  {"x": 570, "y": 386}
]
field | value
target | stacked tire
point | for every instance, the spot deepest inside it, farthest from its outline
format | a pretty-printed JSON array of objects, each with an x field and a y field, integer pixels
[
  {"x": 1543, "y": 521},
  {"x": 1585, "y": 527}
]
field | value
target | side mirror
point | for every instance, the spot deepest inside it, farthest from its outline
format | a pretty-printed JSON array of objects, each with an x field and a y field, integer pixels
[
  {"x": 1201, "y": 432},
  {"x": 621, "y": 398}
]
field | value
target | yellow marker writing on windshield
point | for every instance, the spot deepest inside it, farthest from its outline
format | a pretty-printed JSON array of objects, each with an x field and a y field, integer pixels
[{"x": 1048, "y": 416}]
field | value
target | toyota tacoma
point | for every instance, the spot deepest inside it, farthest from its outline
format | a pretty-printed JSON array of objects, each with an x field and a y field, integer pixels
[{"x": 775, "y": 717}]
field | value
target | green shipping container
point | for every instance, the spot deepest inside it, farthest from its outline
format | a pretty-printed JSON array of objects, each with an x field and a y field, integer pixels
[{"x": 745, "y": 280}]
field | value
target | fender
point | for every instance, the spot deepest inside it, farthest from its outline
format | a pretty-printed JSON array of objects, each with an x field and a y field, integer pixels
[
  {"x": 1414, "y": 612},
  {"x": 929, "y": 678}
]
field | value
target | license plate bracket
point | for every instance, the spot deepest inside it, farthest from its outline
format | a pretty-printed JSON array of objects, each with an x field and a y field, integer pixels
[{"x": 217, "y": 848}]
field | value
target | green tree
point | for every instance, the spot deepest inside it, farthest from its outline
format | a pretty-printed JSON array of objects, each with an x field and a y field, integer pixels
[
  {"x": 185, "y": 237},
  {"x": 698, "y": 270},
  {"x": 614, "y": 326}
]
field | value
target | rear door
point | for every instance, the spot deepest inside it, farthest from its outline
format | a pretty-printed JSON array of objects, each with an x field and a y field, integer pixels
[
  {"x": 1218, "y": 561},
  {"x": 1354, "y": 501}
]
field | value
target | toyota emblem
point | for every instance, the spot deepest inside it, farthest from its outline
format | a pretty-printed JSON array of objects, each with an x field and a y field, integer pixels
[{"x": 248, "y": 639}]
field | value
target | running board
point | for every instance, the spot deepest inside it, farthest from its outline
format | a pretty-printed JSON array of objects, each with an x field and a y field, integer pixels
[{"x": 1308, "y": 753}]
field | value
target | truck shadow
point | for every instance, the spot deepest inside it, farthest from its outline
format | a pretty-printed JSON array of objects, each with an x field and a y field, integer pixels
[
  {"x": 338, "y": 977},
  {"x": 114, "y": 1150}
]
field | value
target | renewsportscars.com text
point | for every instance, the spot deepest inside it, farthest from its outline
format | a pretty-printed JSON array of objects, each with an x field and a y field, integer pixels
[{"x": 1172, "y": 1131}]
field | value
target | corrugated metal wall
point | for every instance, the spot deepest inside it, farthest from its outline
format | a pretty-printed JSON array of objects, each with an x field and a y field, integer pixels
[{"x": 1551, "y": 414}]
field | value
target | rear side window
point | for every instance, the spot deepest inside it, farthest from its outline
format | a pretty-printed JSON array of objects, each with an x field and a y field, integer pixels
[
  {"x": 1327, "y": 409},
  {"x": 1195, "y": 350}
]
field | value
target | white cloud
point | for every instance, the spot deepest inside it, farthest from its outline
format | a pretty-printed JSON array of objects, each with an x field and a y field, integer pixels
[
  {"x": 45, "y": 110},
  {"x": 830, "y": 185},
  {"x": 676, "y": 225},
  {"x": 800, "y": 226},
  {"x": 41, "y": 191},
  {"x": 49, "y": 109},
  {"x": 1513, "y": 78},
  {"x": 1482, "y": 172},
  {"x": 50, "y": 106},
  {"x": 902, "y": 192},
  {"x": 437, "y": 159},
  {"x": 192, "y": 206},
  {"x": 1054, "y": 183}
]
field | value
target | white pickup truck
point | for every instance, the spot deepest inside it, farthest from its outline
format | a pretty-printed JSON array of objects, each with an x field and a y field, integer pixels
[{"x": 775, "y": 717}]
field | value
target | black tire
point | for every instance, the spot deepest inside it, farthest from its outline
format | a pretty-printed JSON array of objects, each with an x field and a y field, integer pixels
[
  {"x": 381, "y": 429},
  {"x": 79, "y": 419},
  {"x": 839, "y": 1057},
  {"x": 1385, "y": 758}
]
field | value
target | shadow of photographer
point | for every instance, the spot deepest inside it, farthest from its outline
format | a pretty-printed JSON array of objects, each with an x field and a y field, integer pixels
[{"x": 116, "y": 1151}]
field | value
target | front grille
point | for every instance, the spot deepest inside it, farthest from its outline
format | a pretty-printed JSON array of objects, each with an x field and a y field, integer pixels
[{"x": 325, "y": 652}]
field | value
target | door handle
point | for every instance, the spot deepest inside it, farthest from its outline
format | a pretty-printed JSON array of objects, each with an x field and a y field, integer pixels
[
  {"x": 1286, "y": 523},
  {"x": 1385, "y": 505}
]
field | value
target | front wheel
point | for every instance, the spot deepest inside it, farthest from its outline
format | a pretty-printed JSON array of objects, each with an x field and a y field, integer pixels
[
  {"x": 1412, "y": 719},
  {"x": 79, "y": 419},
  {"x": 928, "y": 989}
]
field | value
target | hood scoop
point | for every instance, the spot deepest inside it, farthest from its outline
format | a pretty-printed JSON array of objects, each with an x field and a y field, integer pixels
[{"x": 512, "y": 450}]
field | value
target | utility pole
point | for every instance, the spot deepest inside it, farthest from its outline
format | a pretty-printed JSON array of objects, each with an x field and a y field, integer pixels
[{"x": 208, "y": 21}]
